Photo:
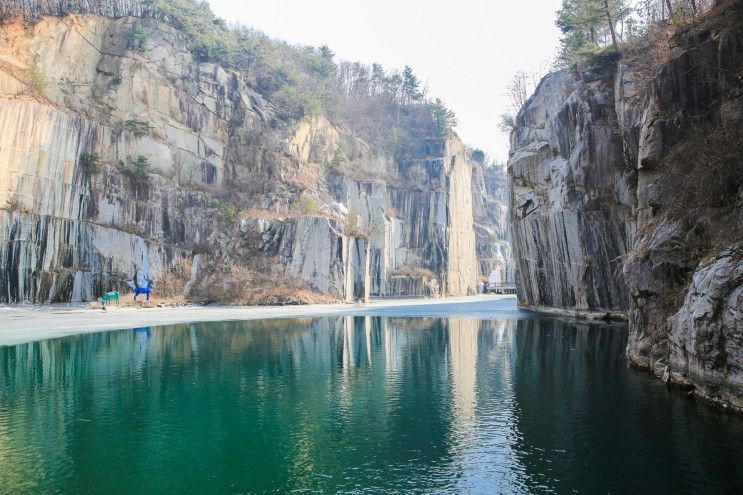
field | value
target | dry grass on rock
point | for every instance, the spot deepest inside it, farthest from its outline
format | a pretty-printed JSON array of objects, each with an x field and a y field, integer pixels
[{"x": 238, "y": 285}]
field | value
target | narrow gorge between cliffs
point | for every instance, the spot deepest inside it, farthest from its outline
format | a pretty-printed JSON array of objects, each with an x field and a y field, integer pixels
[{"x": 235, "y": 264}]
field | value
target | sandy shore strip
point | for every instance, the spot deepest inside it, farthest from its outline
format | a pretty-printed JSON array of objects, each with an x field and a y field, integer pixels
[{"x": 20, "y": 324}]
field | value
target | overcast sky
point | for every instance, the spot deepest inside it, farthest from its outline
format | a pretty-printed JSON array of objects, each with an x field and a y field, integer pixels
[{"x": 465, "y": 50}]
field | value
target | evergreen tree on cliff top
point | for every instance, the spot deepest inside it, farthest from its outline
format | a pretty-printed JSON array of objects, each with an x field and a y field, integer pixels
[
  {"x": 588, "y": 25},
  {"x": 410, "y": 86},
  {"x": 598, "y": 27}
]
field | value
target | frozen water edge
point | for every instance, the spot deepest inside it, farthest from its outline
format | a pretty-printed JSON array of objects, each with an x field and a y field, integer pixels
[{"x": 20, "y": 324}]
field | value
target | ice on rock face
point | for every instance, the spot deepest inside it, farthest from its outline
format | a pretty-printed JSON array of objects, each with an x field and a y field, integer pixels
[
  {"x": 498, "y": 253},
  {"x": 340, "y": 208}
]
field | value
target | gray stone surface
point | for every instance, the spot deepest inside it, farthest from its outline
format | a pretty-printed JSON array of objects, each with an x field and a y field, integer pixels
[
  {"x": 225, "y": 177},
  {"x": 614, "y": 207},
  {"x": 571, "y": 215}
]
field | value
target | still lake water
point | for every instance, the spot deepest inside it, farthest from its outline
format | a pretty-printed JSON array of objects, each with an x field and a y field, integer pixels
[{"x": 503, "y": 403}]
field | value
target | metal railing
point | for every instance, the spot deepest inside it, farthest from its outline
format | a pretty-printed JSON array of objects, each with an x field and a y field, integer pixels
[{"x": 500, "y": 289}]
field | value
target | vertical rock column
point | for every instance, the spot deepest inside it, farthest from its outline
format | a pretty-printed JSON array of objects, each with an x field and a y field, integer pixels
[
  {"x": 461, "y": 270},
  {"x": 356, "y": 263}
]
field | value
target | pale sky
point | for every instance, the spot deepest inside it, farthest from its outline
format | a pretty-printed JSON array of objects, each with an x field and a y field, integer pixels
[{"x": 465, "y": 50}]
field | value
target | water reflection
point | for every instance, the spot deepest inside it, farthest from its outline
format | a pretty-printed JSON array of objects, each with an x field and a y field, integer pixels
[{"x": 345, "y": 404}]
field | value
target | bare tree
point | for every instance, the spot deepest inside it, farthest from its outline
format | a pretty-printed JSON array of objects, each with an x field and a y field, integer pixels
[
  {"x": 517, "y": 93},
  {"x": 518, "y": 89}
]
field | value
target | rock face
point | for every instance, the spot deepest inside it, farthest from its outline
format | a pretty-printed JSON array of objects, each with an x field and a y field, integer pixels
[
  {"x": 227, "y": 180},
  {"x": 684, "y": 271},
  {"x": 492, "y": 233},
  {"x": 627, "y": 196},
  {"x": 571, "y": 208}
]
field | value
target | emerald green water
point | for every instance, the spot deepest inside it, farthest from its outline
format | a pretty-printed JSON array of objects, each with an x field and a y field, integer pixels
[{"x": 503, "y": 404}]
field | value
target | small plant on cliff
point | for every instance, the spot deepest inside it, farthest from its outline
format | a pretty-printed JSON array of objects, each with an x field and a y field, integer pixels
[
  {"x": 137, "y": 169},
  {"x": 417, "y": 174},
  {"x": 201, "y": 247},
  {"x": 36, "y": 80},
  {"x": 116, "y": 80},
  {"x": 14, "y": 203},
  {"x": 91, "y": 162},
  {"x": 351, "y": 224},
  {"x": 136, "y": 38},
  {"x": 339, "y": 158},
  {"x": 378, "y": 227},
  {"x": 136, "y": 127},
  {"x": 305, "y": 205},
  {"x": 227, "y": 212}
]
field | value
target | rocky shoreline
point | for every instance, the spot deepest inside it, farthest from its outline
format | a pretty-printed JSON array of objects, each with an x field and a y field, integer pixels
[{"x": 626, "y": 198}]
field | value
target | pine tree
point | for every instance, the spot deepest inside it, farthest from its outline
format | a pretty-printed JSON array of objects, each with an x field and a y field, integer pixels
[
  {"x": 443, "y": 118},
  {"x": 326, "y": 53},
  {"x": 392, "y": 86},
  {"x": 587, "y": 24},
  {"x": 410, "y": 87},
  {"x": 376, "y": 84}
]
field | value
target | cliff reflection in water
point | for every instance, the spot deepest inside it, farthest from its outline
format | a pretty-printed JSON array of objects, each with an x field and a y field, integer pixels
[{"x": 383, "y": 404}]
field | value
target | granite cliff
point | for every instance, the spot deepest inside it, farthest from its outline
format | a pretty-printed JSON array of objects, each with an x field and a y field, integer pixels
[
  {"x": 627, "y": 200},
  {"x": 125, "y": 152}
]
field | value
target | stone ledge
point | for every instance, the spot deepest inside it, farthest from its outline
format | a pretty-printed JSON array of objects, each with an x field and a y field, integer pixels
[{"x": 579, "y": 314}]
